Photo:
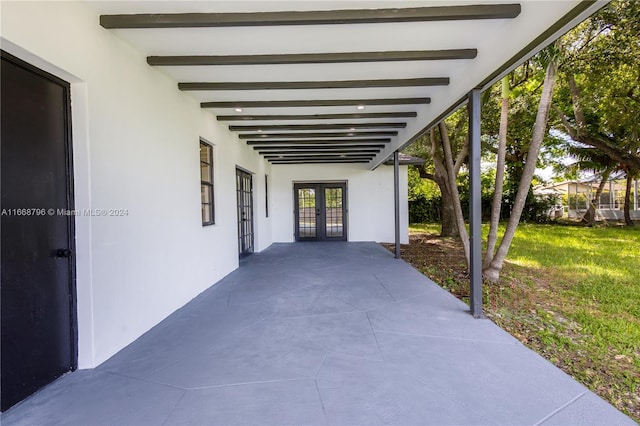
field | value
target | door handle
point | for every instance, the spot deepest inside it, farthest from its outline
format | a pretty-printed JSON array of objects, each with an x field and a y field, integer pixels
[{"x": 63, "y": 253}]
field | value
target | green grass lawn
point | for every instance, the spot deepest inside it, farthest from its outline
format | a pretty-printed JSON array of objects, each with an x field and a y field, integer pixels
[{"x": 573, "y": 294}]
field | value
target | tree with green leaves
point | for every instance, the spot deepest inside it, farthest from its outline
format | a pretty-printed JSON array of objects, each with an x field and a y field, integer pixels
[
  {"x": 496, "y": 204},
  {"x": 435, "y": 169},
  {"x": 599, "y": 98},
  {"x": 495, "y": 261},
  {"x": 597, "y": 105}
]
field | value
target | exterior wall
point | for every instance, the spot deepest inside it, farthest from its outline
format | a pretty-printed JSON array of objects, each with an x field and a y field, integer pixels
[
  {"x": 136, "y": 147},
  {"x": 369, "y": 199}
]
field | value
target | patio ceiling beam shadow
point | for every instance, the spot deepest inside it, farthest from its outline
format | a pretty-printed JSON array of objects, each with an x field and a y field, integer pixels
[
  {"x": 318, "y": 126},
  {"x": 320, "y": 17},
  {"x": 316, "y": 135},
  {"x": 314, "y": 103},
  {"x": 285, "y": 85},
  {"x": 314, "y": 58},
  {"x": 355, "y": 116}
]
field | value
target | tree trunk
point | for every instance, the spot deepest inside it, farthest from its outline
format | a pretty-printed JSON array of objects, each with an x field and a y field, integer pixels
[
  {"x": 627, "y": 200},
  {"x": 496, "y": 203},
  {"x": 448, "y": 227},
  {"x": 492, "y": 273},
  {"x": 448, "y": 224},
  {"x": 589, "y": 217},
  {"x": 453, "y": 188}
]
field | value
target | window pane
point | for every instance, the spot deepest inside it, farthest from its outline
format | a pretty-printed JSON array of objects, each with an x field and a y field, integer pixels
[
  {"x": 206, "y": 213},
  {"x": 205, "y": 172},
  {"x": 333, "y": 212},
  {"x": 206, "y": 186},
  {"x": 306, "y": 213},
  {"x": 205, "y": 153},
  {"x": 266, "y": 195},
  {"x": 205, "y": 194}
]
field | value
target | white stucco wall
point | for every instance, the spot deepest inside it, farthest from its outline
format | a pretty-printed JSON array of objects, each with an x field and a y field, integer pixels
[
  {"x": 136, "y": 147},
  {"x": 369, "y": 199}
]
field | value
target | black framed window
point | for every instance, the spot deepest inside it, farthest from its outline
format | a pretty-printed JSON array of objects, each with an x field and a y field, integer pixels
[
  {"x": 206, "y": 183},
  {"x": 266, "y": 195}
]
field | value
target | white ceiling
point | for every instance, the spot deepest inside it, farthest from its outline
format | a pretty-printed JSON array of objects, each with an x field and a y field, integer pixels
[{"x": 497, "y": 41}]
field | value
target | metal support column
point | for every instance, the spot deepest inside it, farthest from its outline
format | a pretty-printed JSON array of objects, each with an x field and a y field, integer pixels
[
  {"x": 475, "y": 205},
  {"x": 396, "y": 199}
]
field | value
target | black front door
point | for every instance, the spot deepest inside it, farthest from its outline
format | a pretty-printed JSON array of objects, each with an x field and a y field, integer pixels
[
  {"x": 38, "y": 295},
  {"x": 320, "y": 211},
  {"x": 244, "y": 191}
]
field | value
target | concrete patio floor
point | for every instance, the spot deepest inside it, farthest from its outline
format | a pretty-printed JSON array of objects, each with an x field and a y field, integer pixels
[{"x": 320, "y": 333}]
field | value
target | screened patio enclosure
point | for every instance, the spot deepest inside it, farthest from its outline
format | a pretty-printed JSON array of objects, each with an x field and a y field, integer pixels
[{"x": 575, "y": 197}]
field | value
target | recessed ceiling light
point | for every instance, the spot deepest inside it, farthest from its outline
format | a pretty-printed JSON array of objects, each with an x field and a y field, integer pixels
[
  {"x": 238, "y": 109},
  {"x": 352, "y": 129},
  {"x": 360, "y": 107},
  {"x": 259, "y": 130}
]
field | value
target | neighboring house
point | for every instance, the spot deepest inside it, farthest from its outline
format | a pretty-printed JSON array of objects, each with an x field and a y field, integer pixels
[
  {"x": 573, "y": 197},
  {"x": 143, "y": 155}
]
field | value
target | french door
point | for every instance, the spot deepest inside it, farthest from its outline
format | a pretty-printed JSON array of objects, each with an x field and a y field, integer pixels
[
  {"x": 320, "y": 211},
  {"x": 244, "y": 192}
]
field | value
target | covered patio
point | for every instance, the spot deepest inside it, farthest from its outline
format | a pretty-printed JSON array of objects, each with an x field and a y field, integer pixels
[{"x": 320, "y": 333}]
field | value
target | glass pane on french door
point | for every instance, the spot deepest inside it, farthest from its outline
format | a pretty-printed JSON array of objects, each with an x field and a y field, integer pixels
[
  {"x": 334, "y": 227},
  {"x": 307, "y": 219},
  {"x": 244, "y": 193}
]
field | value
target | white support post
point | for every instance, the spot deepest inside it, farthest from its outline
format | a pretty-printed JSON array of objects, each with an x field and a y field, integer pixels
[{"x": 396, "y": 199}]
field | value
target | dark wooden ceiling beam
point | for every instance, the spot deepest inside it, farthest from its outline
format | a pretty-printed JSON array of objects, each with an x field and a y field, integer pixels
[
  {"x": 317, "y": 147},
  {"x": 314, "y": 103},
  {"x": 344, "y": 151},
  {"x": 314, "y": 58},
  {"x": 320, "y": 157},
  {"x": 341, "y": 161},
  {"x": 316, "y": 135},
  {"x": 329, "y": 148},
  {"x": 329, "y": 154},
  {"x": 318, "y": 160},
  {"x": 319, "y": 17},
  {"x": 354, "y": 116},
  {"x": 318, "y": 126},
  {"x": 319, "y": 141},
  {"x": 286, "y": 85}
]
